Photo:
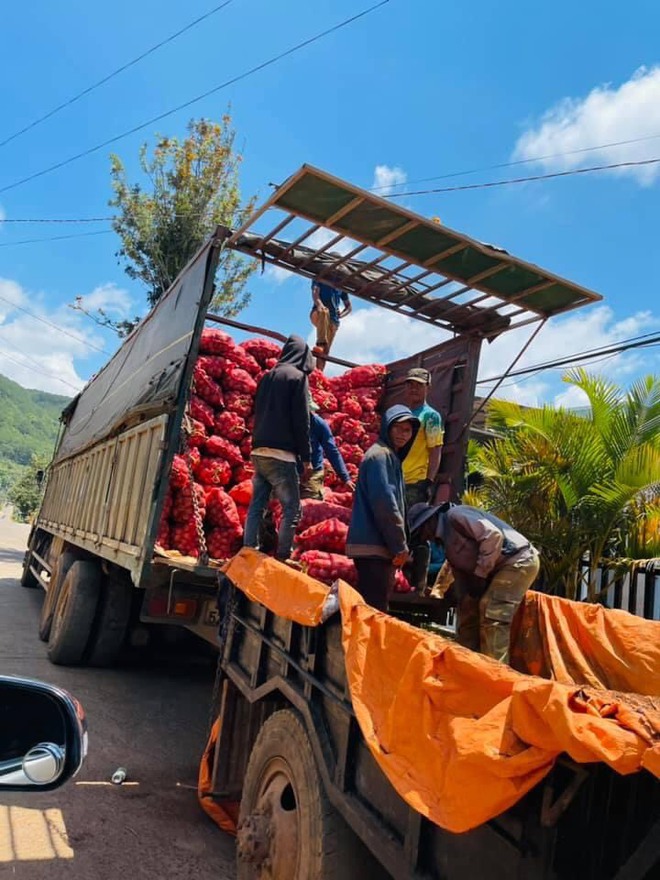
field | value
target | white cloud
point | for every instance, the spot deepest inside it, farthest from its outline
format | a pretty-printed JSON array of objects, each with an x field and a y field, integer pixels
[
  {"x": 387, "y": 177},
  {"x": 372, "y": 334},
  {"x": 607, "y": 115},
  {"x": 38, "y": 355},
  {"x": 112, "y": 299}
]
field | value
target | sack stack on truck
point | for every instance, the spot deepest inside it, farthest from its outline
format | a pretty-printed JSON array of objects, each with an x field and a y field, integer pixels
[{"x": 210, "y": 482}]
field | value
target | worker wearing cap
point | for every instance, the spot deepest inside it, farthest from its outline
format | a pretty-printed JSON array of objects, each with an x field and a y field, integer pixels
[
  {"x": 326, "y": 316},
  {"x": 323, "y": 444},
  {"x": 493, "y": 567},
  {"x": 420, "y": 467}
]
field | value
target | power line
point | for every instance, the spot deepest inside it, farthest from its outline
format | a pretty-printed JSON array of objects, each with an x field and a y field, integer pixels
[
  {"x": 6, "y": 244},
  {"x": 577, "y": 358},
  {"x": 34, "y": 370},
  {"x": 55, "y": 220},
  {"x": 514, "y": 180},
  {"x": 517, "y": 162},
  {"x": 114, "y": 73},
  {"x": 54, "y": 326},
  {"x": 241, "y": 76}
]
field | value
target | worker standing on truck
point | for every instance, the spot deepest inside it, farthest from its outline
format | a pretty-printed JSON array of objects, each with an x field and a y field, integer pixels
[
  {"x": 493, "y": 567},
  {"x": 421, "y": 465},
  {"x": 377, "y": 538},
  {"x": 323, "y": 444},
  {"x": 281, "y": 439},
  {"x": 326, "y": 316}
]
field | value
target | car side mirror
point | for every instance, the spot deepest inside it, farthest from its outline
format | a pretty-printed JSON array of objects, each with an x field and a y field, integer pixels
[{"x": 43, "y": 735}]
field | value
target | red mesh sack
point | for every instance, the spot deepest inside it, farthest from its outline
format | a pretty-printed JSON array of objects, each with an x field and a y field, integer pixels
[
  {"x": 242, "y": 493},
  {"x": 352, "y": 431},
  {"x": 325, "y": 400},
  {"x": 327, "y": 567},
  {"x": 329, "y": 535},
  {"x": 261, "y": 350},
  {"x": 318, "y": 380},
  {"x": 243, "y": 472},
  {"x": 314, "y": 511},
  {"x": 212, "y": 365},
  {"x": 180, "y": 473},
  {"x": 183, "y": 510},
  {"x": 163, "y": 536},
  {"x": 218, "y": 447},
  {"x": 201, "y": 411},
  {"x": 239, "y": 381},
  {"x": 207, "y": 388},
  {"x": 343, "y": 499},
  {"x": 270, "y": 363},
  {"x": 214, "y": 472},
  {"x": 351, "y": 453},
  {"x": 197, "y": 435},
  {"x": 216, "y": 342},
  {"x": 246, "y": 447},
  {"x": 242, "y": 404},
  {"x": 369, "y": 377},
  {"x": 221, "y": 511},
  {"x": 230, "y": 425},
  {"x": 369, "y": 398},
  {"x": 240, "y": 358},
  {"x": 184, "y": 539},
  {"x": 368, "y": 440},
  {"x": 349, "y": 404},
  {"x": 371, "y": 423},
  {"x": 195, "y": 459},
  {"x": 335, "y": 422},
  {"x": 222, "y": 544}
]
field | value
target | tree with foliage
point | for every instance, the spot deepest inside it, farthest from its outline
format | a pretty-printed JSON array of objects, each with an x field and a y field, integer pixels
[
  {"x": 25, "y": 494},
  {"x": 579, "y": 486},
  {"x": 193, "y": 187}
]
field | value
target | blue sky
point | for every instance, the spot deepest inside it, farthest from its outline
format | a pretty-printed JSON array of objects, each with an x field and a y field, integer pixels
[{"x": 421, "y": 89}]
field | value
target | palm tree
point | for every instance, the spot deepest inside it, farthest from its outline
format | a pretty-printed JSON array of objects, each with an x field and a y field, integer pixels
[{"x": 577, "y": 485}]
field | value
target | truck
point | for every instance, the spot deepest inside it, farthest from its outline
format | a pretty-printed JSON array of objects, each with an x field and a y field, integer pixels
[{"x": 92, "y": 547}]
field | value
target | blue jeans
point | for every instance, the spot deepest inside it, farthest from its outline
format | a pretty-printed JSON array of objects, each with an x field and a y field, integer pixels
[{"x": 280, "y": 477}]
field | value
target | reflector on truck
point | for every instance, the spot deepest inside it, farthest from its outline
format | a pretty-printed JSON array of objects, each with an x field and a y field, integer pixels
[{"x": 388, "y": 255}]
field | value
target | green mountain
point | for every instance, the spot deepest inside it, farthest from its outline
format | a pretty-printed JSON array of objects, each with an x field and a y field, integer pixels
[{"x": 29, "y": 421}]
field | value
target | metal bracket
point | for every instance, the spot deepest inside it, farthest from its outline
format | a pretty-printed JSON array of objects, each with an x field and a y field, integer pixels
[{"x": 551, "y": 812}]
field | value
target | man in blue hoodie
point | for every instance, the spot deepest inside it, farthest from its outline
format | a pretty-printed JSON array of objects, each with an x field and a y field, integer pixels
[
  {"x": 377, "y": 539},
  {"x": 323, "y": 444}
]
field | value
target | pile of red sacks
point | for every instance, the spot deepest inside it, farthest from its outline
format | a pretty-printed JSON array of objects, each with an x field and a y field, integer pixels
[{"x": 216, "y": 471}]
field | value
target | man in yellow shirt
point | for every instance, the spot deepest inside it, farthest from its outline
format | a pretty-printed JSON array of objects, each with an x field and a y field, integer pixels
[{"x": 421, "y": 465}]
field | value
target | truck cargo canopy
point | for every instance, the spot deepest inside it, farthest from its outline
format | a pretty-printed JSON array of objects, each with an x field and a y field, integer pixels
[{"x": 385, "y": 254}]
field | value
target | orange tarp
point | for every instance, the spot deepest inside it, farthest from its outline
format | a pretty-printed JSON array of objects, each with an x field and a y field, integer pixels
[
  {"x": 224, "y": 814},
  {"x": 579, "y": 643},
  {"x": 283, "y": 590},
  {"x": 462, "y": 737}
]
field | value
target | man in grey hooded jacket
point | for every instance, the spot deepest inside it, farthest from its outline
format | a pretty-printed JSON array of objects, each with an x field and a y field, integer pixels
[{"x": 493, "y": 567}]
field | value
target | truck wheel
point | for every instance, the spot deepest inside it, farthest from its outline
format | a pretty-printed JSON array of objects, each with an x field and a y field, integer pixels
[
  {"x": 287, "y": 829},
  {"x": 60, "y": 568},
  {"x": 74, "y": 614},
  {"x": 111, "y": 622},
  {"x": 27, "y": 578}
]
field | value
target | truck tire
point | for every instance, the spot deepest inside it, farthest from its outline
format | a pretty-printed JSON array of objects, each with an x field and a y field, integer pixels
[
  {"x": 112, "y": 617},
  {"x": 60, "y": 568},
  {"x": 27, "y": 578},
  {"x": 74, "y": 614},
  {"x": 287, "y": 829}
]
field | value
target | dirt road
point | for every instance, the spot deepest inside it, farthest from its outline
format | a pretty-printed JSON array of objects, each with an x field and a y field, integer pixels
[{"x": 149, "y": 716}]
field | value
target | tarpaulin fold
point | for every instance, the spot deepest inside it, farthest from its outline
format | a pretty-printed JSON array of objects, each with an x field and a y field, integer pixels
[{"x": 462, "y": 737}]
